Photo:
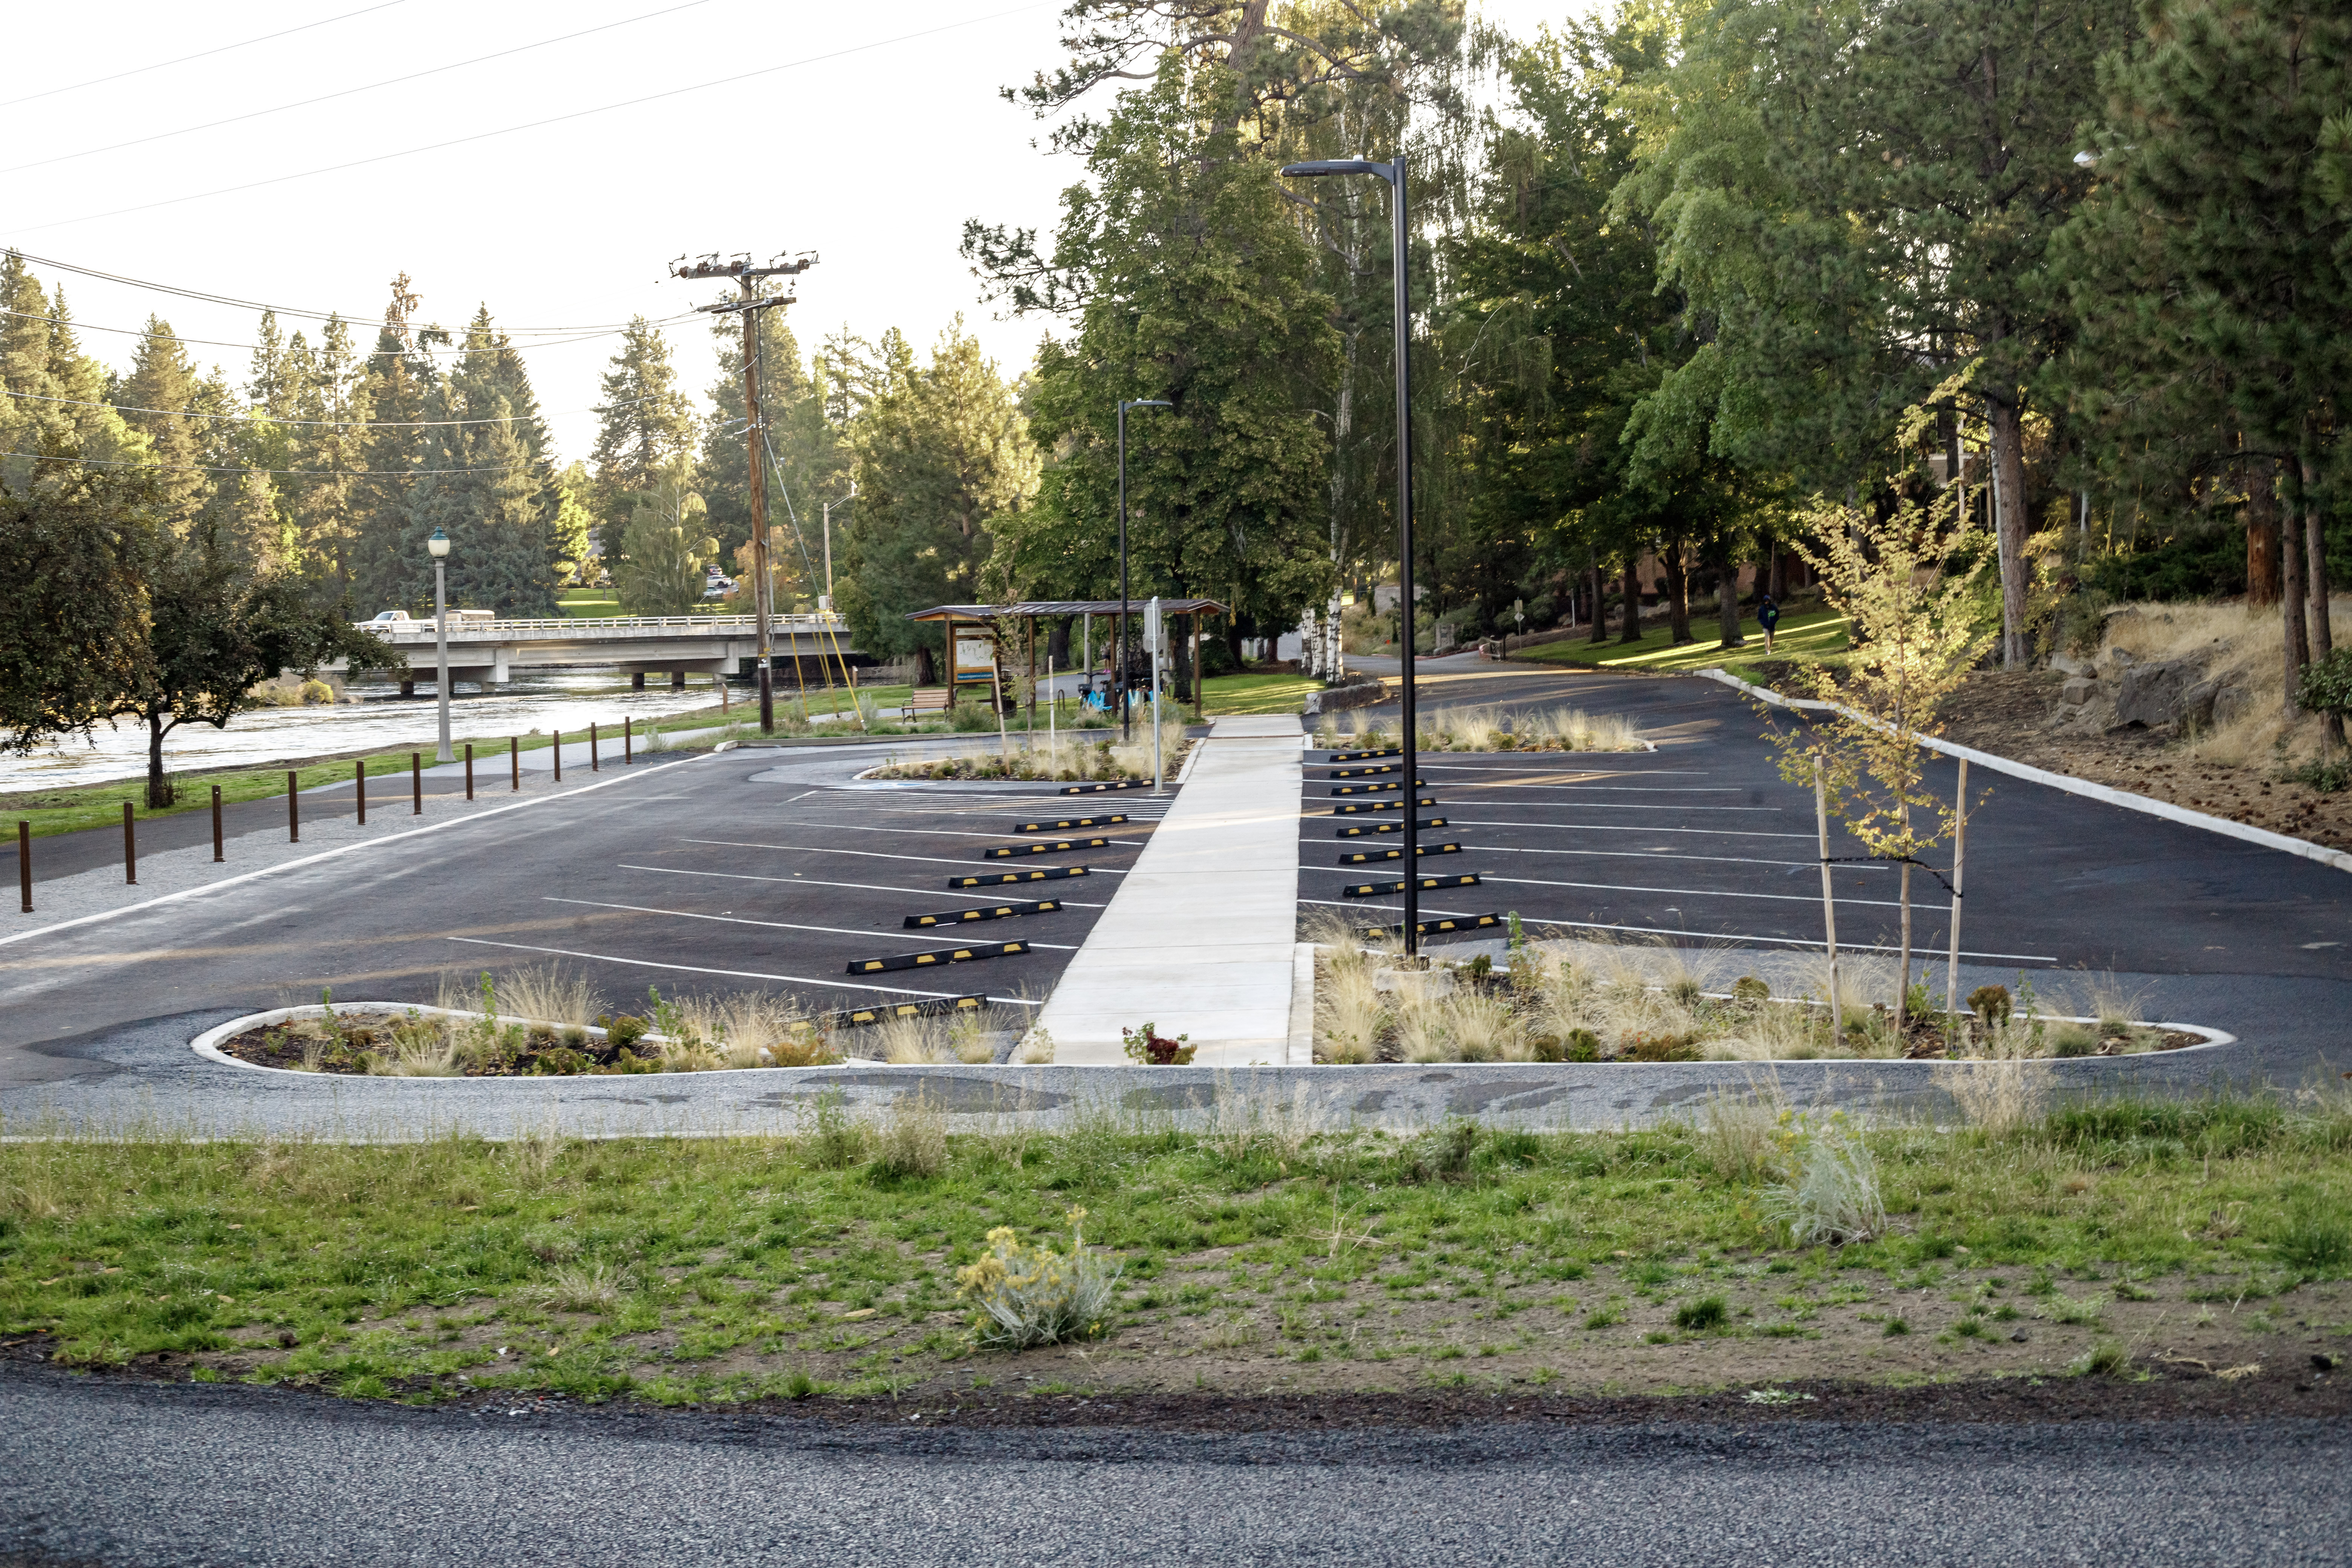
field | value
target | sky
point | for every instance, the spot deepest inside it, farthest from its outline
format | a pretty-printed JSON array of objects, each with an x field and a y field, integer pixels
[{"x": 867, "y": 134}]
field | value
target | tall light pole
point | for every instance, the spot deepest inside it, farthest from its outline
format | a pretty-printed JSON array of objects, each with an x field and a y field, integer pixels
[
  {"x": 1125, "y": 722},
  {"x": 438, "y": 544},
  {"x": 1394, "y": 173}
]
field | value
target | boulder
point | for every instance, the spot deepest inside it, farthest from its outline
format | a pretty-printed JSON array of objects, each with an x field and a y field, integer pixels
[
  {"x": 2232, "y": 703},
  {"x": 2067, "y": 663},
  {"x": 2163, "y": 691},
  {"x": 2077, "y": 691}
]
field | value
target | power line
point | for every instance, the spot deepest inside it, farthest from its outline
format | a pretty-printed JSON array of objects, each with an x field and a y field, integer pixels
[
  {"x": 336, "y": 424},
  {"x": 234, "y": 469},
  {"x": 349, "y": 92},
  {"x": 292, "y": 311},
  {"x": 536, "y": 124},
  {"x": 207, "y": 53},
  {"x": 223, "y": 344}
]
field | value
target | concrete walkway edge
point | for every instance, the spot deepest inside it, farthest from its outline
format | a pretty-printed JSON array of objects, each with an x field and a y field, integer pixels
[{"x": 1200, "y": 938}]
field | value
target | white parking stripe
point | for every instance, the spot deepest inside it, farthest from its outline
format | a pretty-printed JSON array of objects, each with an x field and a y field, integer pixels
[
  {"x": 1625, "y": 888},
  {"x": 1811, "y": 943},
  {"x": 737, "y": 973},
  {"x": 1452, "y": 822},
  {"x": 878, "y": 854},
  {"x": 817, "y": 882},
  {"x": 946, "y": 832},
  {"x": 1659, "y": 854},
  {"x": 783, "y": 925}
]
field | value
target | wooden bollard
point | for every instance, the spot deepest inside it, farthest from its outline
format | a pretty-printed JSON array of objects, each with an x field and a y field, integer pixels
[
  {"x": 24, "y": 863},
  {"x": 359, "y": 787},
  {"x": 130, "y": 847},
  {"x": 469, "y": 770},
  {"x": 216, "y": 824},
  {"x": 293, "y": 807},
  {"x": 591, "y": 745},
  {"x": 416, "y": 781}
]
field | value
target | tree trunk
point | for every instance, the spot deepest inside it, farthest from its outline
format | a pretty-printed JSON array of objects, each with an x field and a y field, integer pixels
[
  {"x": 2012, "y": 524},
  {"x": 1727, "y": 604},
  {"x": 1677, "y": 593},
  {"x": 926, "y": 673},
  {"x": 1058, "y": 644},
  {"x": 1903, "y": 976},
  {"x": 2323, "y": 631},
  {"x": 2262, "y": 538},
  {"x": 2296, "y": 649},
  {"x": 159, "y": 792},
  {"x": 1631, "y": 631},
  {"x": 1598, "y": 632}
]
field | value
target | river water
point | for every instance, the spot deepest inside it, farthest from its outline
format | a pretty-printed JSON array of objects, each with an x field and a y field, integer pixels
[{"x": 380, "y": 720}]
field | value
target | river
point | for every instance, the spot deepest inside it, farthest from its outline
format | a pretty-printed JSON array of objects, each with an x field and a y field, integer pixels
[{"x": 380, "y": 718}]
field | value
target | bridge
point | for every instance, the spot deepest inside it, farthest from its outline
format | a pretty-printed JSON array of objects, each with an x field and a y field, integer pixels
[{"x": 487, "y": 652}]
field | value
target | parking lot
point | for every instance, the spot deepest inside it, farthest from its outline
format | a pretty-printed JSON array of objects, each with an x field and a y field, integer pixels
[{"x": 753, "y": 870}]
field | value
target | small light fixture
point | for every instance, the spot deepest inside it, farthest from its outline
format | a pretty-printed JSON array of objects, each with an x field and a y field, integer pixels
[{"x": 438, "y": 544}]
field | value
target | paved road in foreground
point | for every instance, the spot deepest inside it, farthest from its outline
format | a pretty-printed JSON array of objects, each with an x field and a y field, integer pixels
[
  {"x": 99, "y": 1472},
  {"x": 2069, "y": 892}
]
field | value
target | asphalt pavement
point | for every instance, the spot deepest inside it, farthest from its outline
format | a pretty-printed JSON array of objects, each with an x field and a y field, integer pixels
[
  {"x": 1702, "y": 844},
  {"x": 751, "y": 869},
  {"x": 115, "y": 1473}
]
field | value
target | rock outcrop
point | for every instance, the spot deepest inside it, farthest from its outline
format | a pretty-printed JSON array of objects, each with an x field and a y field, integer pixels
[{"x": 2115, "y": 691}]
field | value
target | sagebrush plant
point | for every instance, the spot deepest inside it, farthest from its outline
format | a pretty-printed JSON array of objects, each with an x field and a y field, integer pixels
[
  {"x": 1831, "y": 1192},
  {"x": 1023, "y": 1296}
]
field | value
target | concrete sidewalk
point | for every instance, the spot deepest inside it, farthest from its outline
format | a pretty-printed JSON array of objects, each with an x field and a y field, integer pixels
[{"x": 1199, "y": 938}]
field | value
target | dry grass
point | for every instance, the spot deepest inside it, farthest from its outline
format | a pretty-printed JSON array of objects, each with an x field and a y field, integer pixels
[
  {"x": 544, "y": 993},
  {"x": 1996, "y": 1097},
  {"x": 913, "y": 1138},
  {"x": 1490, "y": 728},
  {"x": 2239, "y": 646}
]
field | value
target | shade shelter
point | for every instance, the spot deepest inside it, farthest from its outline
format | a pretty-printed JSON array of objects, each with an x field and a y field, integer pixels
[{"x": 1028, "y": 613}]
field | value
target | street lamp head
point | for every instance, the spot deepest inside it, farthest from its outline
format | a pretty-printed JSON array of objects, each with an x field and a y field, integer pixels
[
  {"x": 438, "y": 544},
  {"x": 1146, "y": 403},
  {"x": 1322, "y": 166}
]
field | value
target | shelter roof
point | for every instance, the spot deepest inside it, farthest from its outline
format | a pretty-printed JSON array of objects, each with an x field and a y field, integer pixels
[{"x": 1030, "y": 610}]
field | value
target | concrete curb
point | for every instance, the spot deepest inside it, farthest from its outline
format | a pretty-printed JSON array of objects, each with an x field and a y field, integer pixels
[{"x": 2098, "y": 791}]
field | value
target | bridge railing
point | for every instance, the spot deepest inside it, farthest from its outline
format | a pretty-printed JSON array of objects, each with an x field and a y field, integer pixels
[{"x": 614, "y": 626}]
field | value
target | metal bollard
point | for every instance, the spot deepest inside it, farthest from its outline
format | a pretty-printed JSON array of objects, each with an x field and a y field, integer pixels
[
  {"x": 469, "y": 770},
  {"x": 293, "y": 807},
  {"x": 129, "y": 848},
  {"x": 591, "y": 745},
  {"x": 514, "y": 759},
  {"x": 216, "y": 824},
  {"x": 24, "y": 863},
  {"x": 359, "y": 787},
  {"x": 416, "y": 781},
  {"x": 558, "y": 735},
  {"x": 628, "y": 752}
]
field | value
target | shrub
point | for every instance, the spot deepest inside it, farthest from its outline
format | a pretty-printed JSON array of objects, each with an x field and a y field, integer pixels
[
  {"x": 623, "y": 1032},
  {"x": 1148, "y": 1045},
  {"x": 1442, "y": 1154},
  {"x": 1750, "y": 992},
  {"x": 832, "y": 1138},
  {"x": 1026, "y": 1296},
  {"x": 1991, "y": 1006},
  {"x": 914, "y": 1138},
  {"x": 1706, "y": 1312},
  {"x": 1584, "y": 1046},
  {"x": 1832, "y": 1192},
  {"x": 1667, "y": 1048}
]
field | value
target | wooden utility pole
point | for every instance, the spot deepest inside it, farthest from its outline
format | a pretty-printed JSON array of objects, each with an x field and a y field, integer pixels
[{"x": 749, "y": 307}]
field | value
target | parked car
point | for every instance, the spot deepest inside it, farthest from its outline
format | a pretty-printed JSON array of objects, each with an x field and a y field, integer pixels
[{"x": 391, "y": 620}]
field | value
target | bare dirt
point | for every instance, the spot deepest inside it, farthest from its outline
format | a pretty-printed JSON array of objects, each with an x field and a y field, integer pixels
[{"x": 2006, "y": 712}]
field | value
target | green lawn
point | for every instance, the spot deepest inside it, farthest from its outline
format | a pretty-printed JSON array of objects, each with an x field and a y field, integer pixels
[
  {"x": 1806, "y": 633},
  {"x": 1277, "y": 693},
  {"x": 590, "y": 601},
  {"x": 733, "y": 1268}
]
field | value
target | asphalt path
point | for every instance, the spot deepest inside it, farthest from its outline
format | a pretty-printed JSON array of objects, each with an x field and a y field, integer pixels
[
  {"x": 1703, "y": 844},
  {"x": 104, "y": 1472},
  {"x": 751, "y": 869}
]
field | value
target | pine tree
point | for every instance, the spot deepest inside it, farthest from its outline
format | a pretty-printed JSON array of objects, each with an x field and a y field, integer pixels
[
  {"x": 665, "y": 548},
  {"x": 156, "y": 399},
  {"x": 402, "y": 388},
  {"x": 943, "y": 456},
  {"x": 502, "y": 554},
  {"x": 648, "y": 425}
]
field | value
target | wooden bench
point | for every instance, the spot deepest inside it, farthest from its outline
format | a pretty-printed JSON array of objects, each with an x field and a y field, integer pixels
[{"x": 927, "y": 699}]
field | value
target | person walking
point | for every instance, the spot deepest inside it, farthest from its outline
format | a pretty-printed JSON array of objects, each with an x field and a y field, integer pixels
[{"x": 1767, "y": 615}]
